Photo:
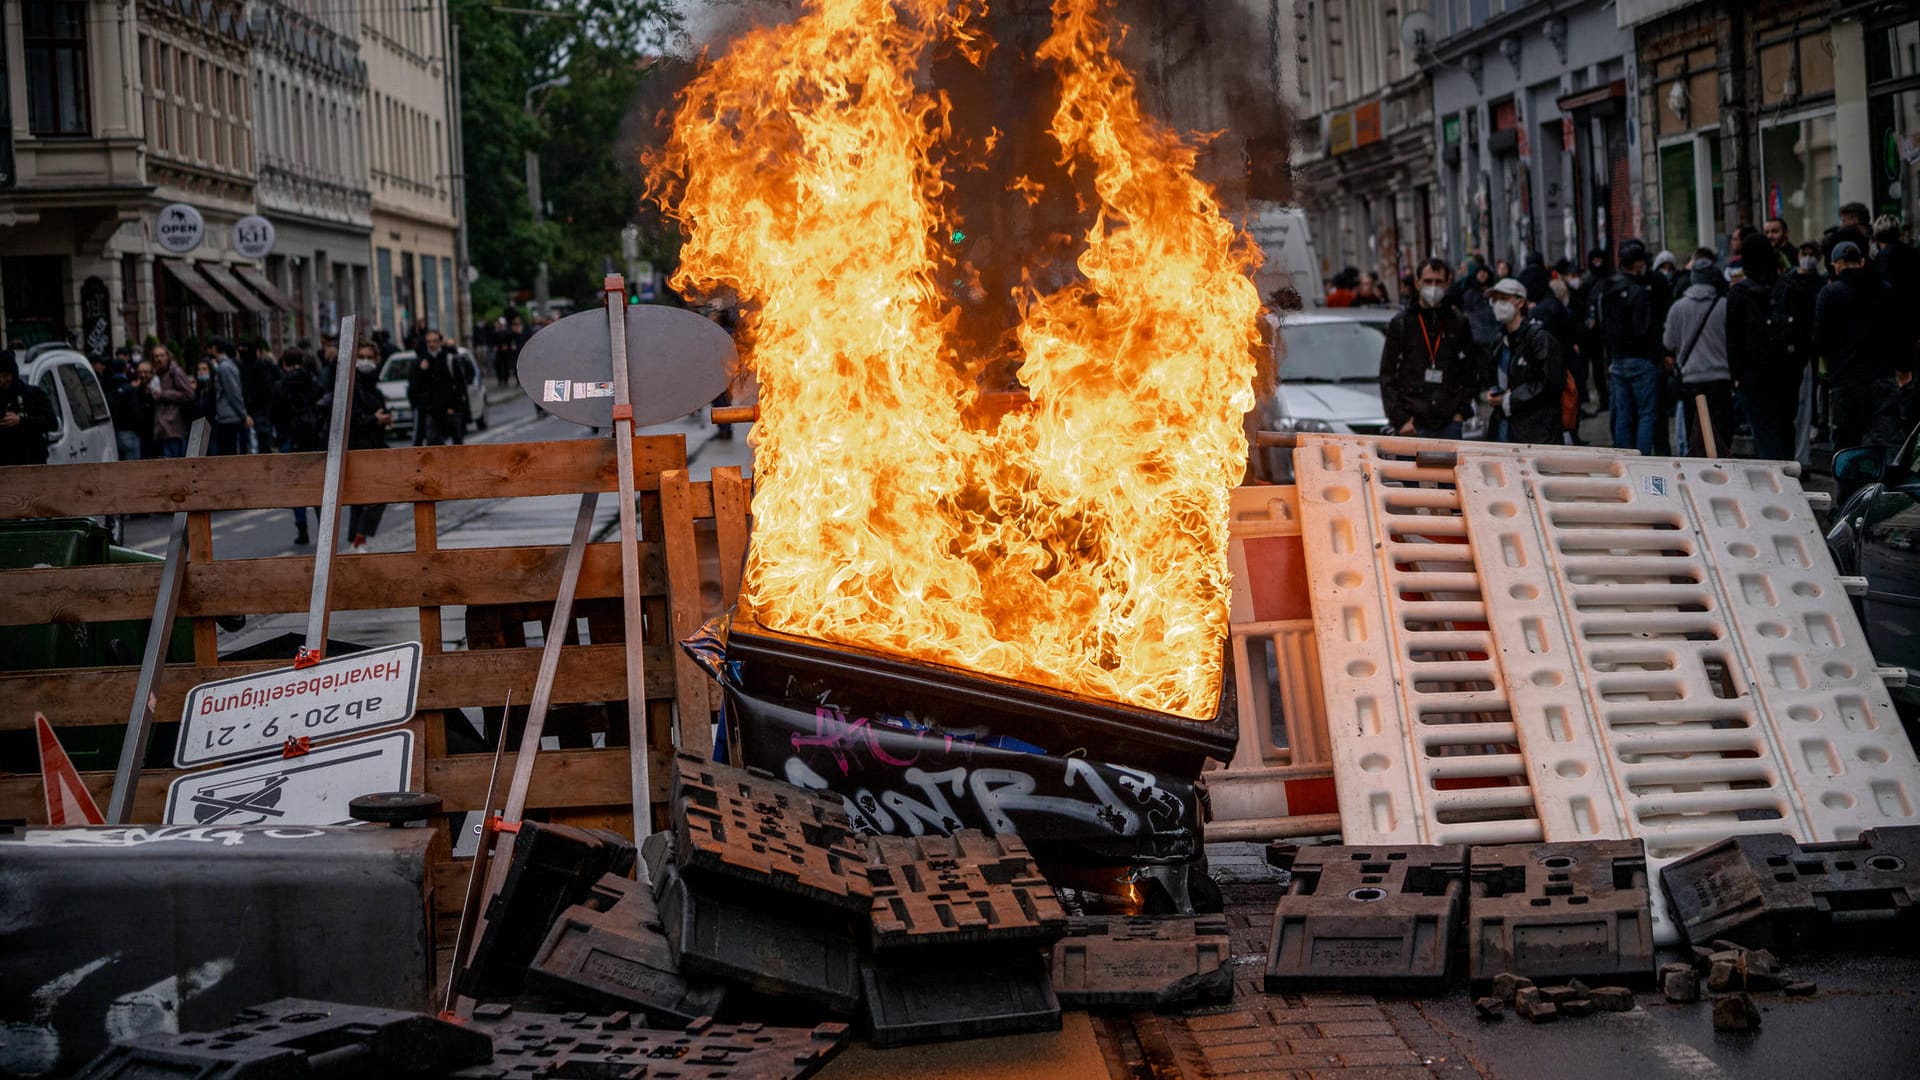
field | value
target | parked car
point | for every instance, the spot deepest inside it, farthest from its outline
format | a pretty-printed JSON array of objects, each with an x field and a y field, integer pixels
[
  {"x": 393, "y": 385},
  {"x": 85, "y": 432},
  {"x": 1876, "y": 535},
  {"x": 1329, "y": 380}
]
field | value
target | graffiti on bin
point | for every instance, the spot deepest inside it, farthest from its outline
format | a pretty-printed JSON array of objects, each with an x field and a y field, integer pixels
[
  {"x": 901, "y": 781},
  {"x": 138, "y": 836}
]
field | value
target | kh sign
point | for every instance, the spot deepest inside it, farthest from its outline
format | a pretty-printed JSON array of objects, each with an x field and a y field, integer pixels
[
  {"x": 253, "y": 236},
  {"x": 180, "y": 228},
  {"x": 256, "y": 714}
]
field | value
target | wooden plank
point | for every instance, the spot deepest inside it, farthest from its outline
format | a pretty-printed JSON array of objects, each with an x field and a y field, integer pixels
[
  {"x": 89, "y": 697},
  {"x": 206, "y": 635},
  {"x": 730, "y": 535},
  {"x": 429, "y": 727},
  {"x": 683, "y": 613},
  {"x": 567, "y": 778},
  {"x": 264, "y": 586},
  {"x": 279, "y": 481}
]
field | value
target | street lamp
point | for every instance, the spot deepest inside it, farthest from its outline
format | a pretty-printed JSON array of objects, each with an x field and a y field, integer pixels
[{"x": 533, "y": 189}]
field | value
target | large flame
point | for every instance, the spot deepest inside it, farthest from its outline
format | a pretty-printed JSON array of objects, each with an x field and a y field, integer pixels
[{"x": 1080, "y": 543}]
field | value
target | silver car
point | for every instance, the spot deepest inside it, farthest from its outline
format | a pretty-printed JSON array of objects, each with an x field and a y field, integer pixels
[{"x": 1329, "y": 364}]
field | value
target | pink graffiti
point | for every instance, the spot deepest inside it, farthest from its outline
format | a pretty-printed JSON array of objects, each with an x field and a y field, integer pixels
[{"x": 832, "y": 730}]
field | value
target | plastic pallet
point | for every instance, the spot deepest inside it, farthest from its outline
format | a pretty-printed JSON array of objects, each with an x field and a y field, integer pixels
[
  {"x": 1560, "y": 911},
  {"x": 968, "y": 888},
  {"x": 735, "y": 825},
  {"x": 294, "y": 1037},
  {"x": 1370, "y": 919},
  {"x": 554, "y": 867},
  {"x": 779, "y": 950},
  {"x": 612, "y": 953},
  {"x": 1775, "y": 893},
  {"x": 1143, "y": 963},
  {"x": 538, "y": 1046},
  {"x": 909, "y": 1001}
]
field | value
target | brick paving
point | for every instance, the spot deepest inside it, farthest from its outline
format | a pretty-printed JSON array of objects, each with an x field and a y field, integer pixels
[{"x": 1301, "y": 1036}]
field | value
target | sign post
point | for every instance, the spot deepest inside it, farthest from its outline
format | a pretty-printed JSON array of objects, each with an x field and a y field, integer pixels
[
  {"x": 637, "y": 744},
  {"x": 320, "y": 602},
  {"x": 166, "y": 603}
]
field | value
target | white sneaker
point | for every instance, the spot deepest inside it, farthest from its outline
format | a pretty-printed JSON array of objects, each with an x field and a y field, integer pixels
[{"x": 359, "y": 548}]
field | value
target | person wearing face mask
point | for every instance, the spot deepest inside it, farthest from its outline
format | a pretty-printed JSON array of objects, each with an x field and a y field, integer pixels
[
  {"x": 367, "y": 425},
  {"x": 1528, "y": 374},
  {"x": 1427, "y": 365}
]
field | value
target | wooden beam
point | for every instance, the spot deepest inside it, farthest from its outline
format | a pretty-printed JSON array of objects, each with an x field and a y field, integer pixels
[
  {"x": 426, "y": 579},
  {"x": 683, "y": 614},
  {"x": 279, "y": 481},
  {"x": 730, "y": 498},
  {"x": 90, "y": 697}
]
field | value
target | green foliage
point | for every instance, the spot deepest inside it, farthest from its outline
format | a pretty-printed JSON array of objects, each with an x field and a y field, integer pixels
[{"x": 602, "y": 47}]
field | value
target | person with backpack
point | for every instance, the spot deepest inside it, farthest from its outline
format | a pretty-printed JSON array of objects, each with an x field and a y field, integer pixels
[
  {"x": 295, "y": 412},
  {"x": 258, "y": 376},
  {"x": 1766, "y": 368},
  {"x": 1630, "y": 322},
  {"x": 1528, "y": 375},
  {"x": 1696, "y": 352}
]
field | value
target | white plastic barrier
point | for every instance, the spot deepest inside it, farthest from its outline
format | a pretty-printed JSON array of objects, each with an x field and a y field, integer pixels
[{"x": 1629, "y": 646}]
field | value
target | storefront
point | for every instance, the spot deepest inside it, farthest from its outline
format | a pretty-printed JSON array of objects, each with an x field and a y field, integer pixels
[
  {"x": 1893, "y": 115},
  {"x": 1799, "y": 151}
]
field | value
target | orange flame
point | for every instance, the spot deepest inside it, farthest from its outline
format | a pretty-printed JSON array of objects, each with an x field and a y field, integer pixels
[{"x": 1080, "y": 544}]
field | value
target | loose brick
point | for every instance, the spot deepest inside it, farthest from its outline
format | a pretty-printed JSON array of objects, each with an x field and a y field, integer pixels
[
  {"x": 1612, "y": 998},
  {"x": 1735, "y": 1012},
  {"x": 1577, "y": 1007},
  {"x": 1218, "y": 1021},
  {"x": 1488, "y": 1008},
  {"x": 1356, "y": 1027},
  {"x": 1379, "y": 1057},
  {"x": 1555, "y": 995},
  {"x": 1262, "y": 1047},
  {"x": 1507, "y": 983},
  {"x": 1681, "y": 987},
  {"x": 1543, "y": 1013}
]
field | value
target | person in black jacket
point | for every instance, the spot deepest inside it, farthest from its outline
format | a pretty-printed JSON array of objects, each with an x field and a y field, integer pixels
[
  {"x": 1766, "y": 370},
  {"x": 26, "y": 417},
  {"x": 1848, "y": 328},
  {"x": 1429, "y": 366},
  {"x": 126, "y": 404},
  {"x": 366, "y": 430},
  {"x": 1898, "y": 264},
  {"x": 295, "y": 415},
  {"x": 1528, "y": 374},
  {"x": 258, "y": 374},
  {"x": 1631, "y": 315},
  {"x": 433, "y": 387}
]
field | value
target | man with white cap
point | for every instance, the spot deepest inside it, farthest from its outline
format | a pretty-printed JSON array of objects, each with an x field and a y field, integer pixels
[{"x": 1529, "y": 375}]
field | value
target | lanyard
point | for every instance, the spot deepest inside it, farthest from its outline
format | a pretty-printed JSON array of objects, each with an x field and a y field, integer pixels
[{"x": 1433, "y": 343}]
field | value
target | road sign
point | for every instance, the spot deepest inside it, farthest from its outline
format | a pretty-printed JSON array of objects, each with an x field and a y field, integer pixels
[
  {"x": 68, "y": 800},
  {"x": 312, "y": 789},
  {"x": 256, "y": 714},
  {"x": 677, "y": 362}
]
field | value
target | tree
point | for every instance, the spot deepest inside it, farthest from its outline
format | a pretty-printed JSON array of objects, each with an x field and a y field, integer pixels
[{"x": 603, "y": 47}]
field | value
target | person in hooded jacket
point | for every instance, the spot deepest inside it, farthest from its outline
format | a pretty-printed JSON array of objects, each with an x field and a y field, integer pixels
[
  {"x": 1898, "y": 264},
  {"x": 1630, "y": 314},
  {"x": 367, "y": 425},
  {"x": 296, "y": 419},
  {"x": 1527, "y": 373},
  {"x": 1428, "y": 364},
  {"x": 1469, "y": 294},
  {"x": 1766, "y": 368},
  {"x": 1533, "y": 274},
  {"x": 1696, "y": 351}
]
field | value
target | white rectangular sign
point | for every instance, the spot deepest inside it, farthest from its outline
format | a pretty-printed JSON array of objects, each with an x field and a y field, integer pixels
[
  {"x": 312, "y": 789},
  {"x": 256, "y": 714}
]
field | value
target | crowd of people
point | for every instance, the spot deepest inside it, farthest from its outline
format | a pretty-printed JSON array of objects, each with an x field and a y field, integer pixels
[{"x": 1786, "y": 339}]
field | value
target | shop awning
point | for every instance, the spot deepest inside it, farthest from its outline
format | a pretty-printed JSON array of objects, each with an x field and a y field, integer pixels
[
  {"x": 185, "y": 274},
  {"x": 261, "y": 284},
  {"x": 223, "y": 278}
]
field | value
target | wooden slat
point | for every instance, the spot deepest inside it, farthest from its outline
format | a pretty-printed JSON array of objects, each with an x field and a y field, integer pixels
[
  {"x": 206, "y": 635},
  {"x": 278, "y": 481},
  {"x": 730, "y": 536},
  {"x": 89, "y": 697},
  {"x": 561, "y": 778},
  {"x": 429, "y": 727},
  {"x": 265, "y": 586},
  {"x": 683, "y": 611}
]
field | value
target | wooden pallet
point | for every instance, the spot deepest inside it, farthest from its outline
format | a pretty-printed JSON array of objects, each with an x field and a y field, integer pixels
[{"x": 693, "y": 543}]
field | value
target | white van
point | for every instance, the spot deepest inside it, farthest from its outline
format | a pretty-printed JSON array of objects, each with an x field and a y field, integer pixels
[
  {"x": 1281, "y": 232},
  {"x": 85, "y": 431}
]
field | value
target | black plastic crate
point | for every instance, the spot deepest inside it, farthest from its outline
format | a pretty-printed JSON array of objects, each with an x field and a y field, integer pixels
[
  {"x": 968, "y": 888},
  {"x": 611, "y": 952},
  {"x": 553, "y": 868},
  {"x": 1142, "y": 962},
  {"x": 752, "y": 830},
  {"x": 959, "y": 995},
  {"x": 294, "y": 1037},
  {"x": 1367, "y": 918},
  {"x": 1771, "y": 891},
  {"x": 575, "y": 1046},
  {"x": 1556, "y": 911},
  {"x": 784, "y": 951}
]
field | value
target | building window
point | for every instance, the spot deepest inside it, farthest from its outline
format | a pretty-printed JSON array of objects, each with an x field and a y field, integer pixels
[
  {"x": 55, "y": 39},
  {"x": 1689, "y": 199},
  {"x": 1800, "y": 174}
]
